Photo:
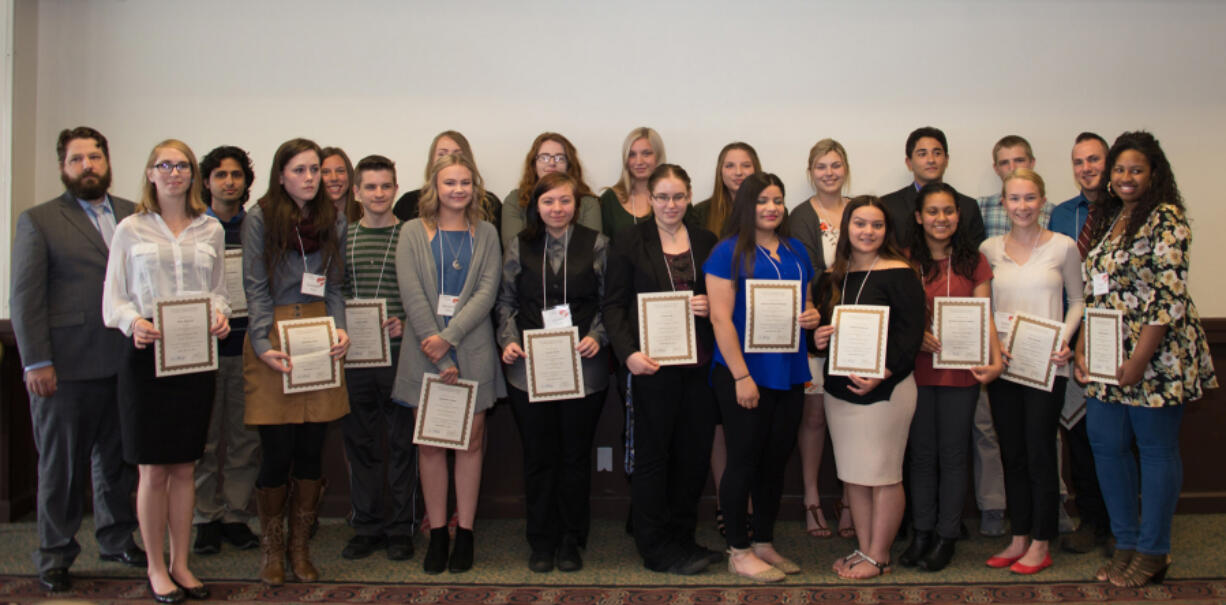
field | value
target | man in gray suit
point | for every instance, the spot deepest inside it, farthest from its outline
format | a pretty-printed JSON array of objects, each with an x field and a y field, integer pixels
[{"x": 71, "y": 361}]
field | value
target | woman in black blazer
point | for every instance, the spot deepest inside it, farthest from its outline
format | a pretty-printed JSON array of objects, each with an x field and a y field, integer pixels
[{"x": 673, "y": 407}]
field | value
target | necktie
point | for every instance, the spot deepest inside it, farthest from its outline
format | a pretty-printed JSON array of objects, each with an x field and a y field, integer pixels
[
  {"x": 1083, "y": 238},
  {"x": 106, "y": 227}
]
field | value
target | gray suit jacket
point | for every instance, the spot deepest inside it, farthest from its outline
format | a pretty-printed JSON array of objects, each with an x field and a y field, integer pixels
[
  {"x": 59, "y": 263},
  {"x": 471, "y": 330}
]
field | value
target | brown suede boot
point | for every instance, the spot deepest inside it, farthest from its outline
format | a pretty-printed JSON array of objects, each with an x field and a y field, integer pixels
[
  {"x": 304, "y": 506},
  {"x": 271, "y": 503}
]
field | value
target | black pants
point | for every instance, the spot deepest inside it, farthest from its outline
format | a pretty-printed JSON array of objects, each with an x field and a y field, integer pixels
[
  {"x": 938, "y": 449},
  {"x": 1026, "y": 421},
  {"x": 674, "y": 422},
  {"x": 373, "y": 420},
  {"x": 296, "y": 448},
  {"x": 759, "y": 443},
  {"x": 1090, "y": 505},
  {"x": 557, "y": 441}
]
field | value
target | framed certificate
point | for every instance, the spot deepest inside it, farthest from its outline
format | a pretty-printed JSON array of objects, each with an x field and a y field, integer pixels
[
  {"x": 445, "y": 413},
  {"x": 234, "y": 282},
  {"x": 666, "y": 327},
  {"x": 962, "y": 326},
  {"x": 307, "y": 342},
  {"x": 369, "y": 344},
  {"x": 186, "y": 347},
  {"x": 1031, "y": 343},
  {"x": 1104, "y": 344},
  {"x": 554, "y": 368},
  {"x": 772, "y": 315},
  {"x": 857, "y": 345}
]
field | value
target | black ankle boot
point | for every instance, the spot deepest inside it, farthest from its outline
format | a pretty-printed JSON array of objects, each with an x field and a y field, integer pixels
[
  {"x": 939, "y": 556},
  {"x": 436, "y": 552},
  {"x": 462, "y": 553},
  {"x": 920, "y": 543}
]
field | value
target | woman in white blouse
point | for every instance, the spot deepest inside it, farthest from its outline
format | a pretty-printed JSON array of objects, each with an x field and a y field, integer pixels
[
  {"x": 169, "y": 248},
  {"x": 1037, "y": 272}
]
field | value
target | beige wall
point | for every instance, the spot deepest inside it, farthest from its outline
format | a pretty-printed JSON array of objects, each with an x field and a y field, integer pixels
[{"x": 384, "y": 76}]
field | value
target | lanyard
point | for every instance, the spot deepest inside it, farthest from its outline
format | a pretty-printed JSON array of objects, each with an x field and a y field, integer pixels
[
  {"x": 442, "y": 256},
  {"x": 673, "y": 284},
  {"x": 302, "y": 249},
  {"x": 948, "y": 274},
  {"x": 800, "y": 272},
  {"x": 354, "y": 263},
  {"x": 545, "y": 268},
  {"x": 843, "y": 292}
]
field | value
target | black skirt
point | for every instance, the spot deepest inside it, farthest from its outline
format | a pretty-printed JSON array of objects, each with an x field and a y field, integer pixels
[{"x": 162, "y": 420}]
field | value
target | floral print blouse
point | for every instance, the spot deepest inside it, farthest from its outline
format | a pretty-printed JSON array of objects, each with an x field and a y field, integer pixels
[{"x": 1148, "y": 282}]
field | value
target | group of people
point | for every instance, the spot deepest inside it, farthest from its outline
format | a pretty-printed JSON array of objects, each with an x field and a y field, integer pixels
[{"x": 464, "y": 274}]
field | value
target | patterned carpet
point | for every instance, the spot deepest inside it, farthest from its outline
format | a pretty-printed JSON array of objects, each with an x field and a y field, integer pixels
[{"x": 613, "y": 574}]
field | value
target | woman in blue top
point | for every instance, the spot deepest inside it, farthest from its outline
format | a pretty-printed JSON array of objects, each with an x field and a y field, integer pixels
[{"x": 760, "y": 395}]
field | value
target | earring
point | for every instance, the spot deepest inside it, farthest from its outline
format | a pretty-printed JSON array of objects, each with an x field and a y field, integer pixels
[{"x": 1109, "y": 188}]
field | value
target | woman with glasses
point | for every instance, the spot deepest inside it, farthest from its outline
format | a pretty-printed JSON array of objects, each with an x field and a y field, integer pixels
[
  {"x": 554, "y": 274},
  {"x": 448, "y": 142},
  {"x": 674, "y": 406},
  {"x": 292, "y": 269},
  {"x": 550, "y": 153},
  {"x": 169, "y": 248},
  {"x": 629, "y": 201}
]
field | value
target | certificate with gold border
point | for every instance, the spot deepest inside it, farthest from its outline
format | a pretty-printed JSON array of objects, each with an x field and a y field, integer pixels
[
  {"x": 445, "y": 413},
  {"x": 857, "y": 345},
  {"x": 554, "y": 368},
  {"x": 1104, "y": 344},
  {"x": 961, "y": 325},
  {"x": 666, "y": 327},
  {"x": 1031, "y": 343},
  {"x": 234, "y": 282},
  {"x": 369, "y": 343},
  {"x": 772, "y": 315},
  {"x": 308, "y": 343},
  {"x": 186, "y": 346}
]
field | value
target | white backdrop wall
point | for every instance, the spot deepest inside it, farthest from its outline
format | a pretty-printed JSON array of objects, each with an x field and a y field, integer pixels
[{"x": 383, "y": 76}]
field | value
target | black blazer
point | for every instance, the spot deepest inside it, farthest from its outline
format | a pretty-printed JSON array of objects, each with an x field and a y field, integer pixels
[
  {"x": 636, "y": 264},
  {"x": 901, "y": 207}
]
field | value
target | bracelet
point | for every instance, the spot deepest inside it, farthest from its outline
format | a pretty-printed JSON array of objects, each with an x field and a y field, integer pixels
[{"x": 741, "y": 378}]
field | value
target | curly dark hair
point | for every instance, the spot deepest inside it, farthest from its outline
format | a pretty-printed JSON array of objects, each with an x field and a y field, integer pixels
[
  {"x": 1162, "y": 188},
  {"x": 964, "y": 255},
  {"x": 212, "y": 161}
]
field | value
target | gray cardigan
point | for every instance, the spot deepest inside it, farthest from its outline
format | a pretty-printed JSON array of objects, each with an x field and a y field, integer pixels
[{"x": 470, "y": 332}]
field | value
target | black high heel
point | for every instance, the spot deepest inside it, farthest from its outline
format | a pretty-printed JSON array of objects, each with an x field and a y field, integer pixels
[
  {"x": 199, "y": 593},
  {"x": 174, "y": 596}
]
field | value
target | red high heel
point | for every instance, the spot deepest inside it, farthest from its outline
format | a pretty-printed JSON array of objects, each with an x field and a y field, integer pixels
[
  {"x": 1003, "y": 562},
  {"x": 1027, "y": 570}
]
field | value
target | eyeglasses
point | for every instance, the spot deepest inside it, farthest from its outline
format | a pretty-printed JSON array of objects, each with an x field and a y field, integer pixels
[
  {"x": 554, "y": 158},
  {"x": 676, "y": 198},
  {"x": 168, "y": 167}
]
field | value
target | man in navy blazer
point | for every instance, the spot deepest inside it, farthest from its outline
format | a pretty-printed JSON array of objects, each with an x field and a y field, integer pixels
[
  {"x": 927, "y": 158},
  {"x": 71, "y": 360}
]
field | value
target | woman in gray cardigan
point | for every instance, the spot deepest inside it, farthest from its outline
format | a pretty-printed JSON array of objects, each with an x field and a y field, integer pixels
[{"x": 447, "y": 264}]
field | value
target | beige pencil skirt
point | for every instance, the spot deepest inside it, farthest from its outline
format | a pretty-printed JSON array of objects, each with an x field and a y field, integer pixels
[{"x": 870, "y": 440}]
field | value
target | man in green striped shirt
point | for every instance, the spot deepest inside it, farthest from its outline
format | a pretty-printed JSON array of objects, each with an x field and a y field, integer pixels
[{"x": 370, "y": 273}]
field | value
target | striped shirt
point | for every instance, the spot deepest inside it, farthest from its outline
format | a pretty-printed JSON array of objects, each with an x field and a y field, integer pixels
[{"x": 370, "y": 267}]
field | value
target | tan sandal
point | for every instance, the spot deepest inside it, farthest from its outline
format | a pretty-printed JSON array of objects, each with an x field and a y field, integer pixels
[
  {"x": 822, "y": 530},
  {"x": 845, "y": 532},
  {"x": 1116, "y": 566}
]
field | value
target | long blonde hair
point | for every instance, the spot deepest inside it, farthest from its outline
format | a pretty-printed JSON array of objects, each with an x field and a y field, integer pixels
[
  {"x": 148, "y": 191},
  {"x": 622, "y": 188},
  {"x": 427, "y": 206}
]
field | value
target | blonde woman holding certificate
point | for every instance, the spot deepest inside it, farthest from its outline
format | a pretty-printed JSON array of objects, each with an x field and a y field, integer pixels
[
  {"x": 169, "y": 248},
  {"x": 869, "y": 417},
  {"x": 447, "y": 265},
  {"x": 1033, "y": 269}
]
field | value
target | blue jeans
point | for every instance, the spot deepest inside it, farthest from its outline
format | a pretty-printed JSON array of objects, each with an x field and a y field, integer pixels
[{"x": 1113, "y": 428}]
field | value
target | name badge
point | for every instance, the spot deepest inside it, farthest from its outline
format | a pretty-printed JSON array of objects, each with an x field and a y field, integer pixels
[
  {"x": 1004, "y": 322},
  {"x": 447, "y": 304},
  {"x": 557, "y": 317},
  {"x": 313, "y": 284},
  {"x": 1101, "y": 284}
]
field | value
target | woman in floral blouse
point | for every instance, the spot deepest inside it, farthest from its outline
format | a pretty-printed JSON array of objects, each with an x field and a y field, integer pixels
[{"x": 1139, "y": 265}]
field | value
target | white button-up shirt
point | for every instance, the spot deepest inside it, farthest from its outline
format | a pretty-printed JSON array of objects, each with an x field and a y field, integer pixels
[{"x": 148, "y": 261}]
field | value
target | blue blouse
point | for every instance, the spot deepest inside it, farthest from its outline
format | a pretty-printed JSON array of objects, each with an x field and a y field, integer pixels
[{"x": 772, "y": 370}]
